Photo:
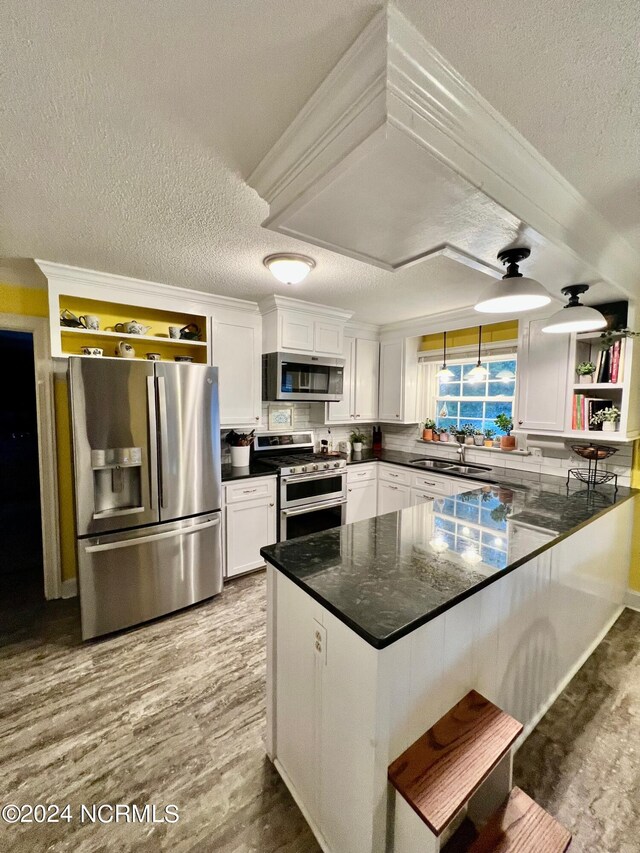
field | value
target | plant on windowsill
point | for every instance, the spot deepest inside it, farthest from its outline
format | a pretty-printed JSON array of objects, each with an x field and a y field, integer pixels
[
  {"x": 585, "y": 371},
  {"x": 505, "y": 423},
  {"x": 442, "y": 433},
  {"x": 357, "y": 440},
  {"x": 500, "y": 513},
  {"x": 608, "y": 417},
  {"x": 464, "y": 435},
  {"x": 427, "y": 430},
  {"x": 478, "y": 437},
  {"x": 488, "y": 437}
]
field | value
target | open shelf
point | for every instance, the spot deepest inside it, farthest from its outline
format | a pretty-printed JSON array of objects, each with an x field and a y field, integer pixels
[
  {"x": 98, "y": 333},
  {"x": 598, "y": 386}
]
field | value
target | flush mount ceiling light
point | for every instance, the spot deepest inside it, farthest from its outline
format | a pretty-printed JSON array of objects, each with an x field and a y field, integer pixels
[
  {"x": 444, "y": 373},
  {"x": 575, "y": 317},
  {"x": 478, "y": 373},
  {"x": 514, "y": 292},
  {"x": 289, "y": 269}
]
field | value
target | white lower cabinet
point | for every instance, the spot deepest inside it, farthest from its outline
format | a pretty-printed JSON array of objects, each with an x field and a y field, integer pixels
[
  {"x": 249, "y": 523},
  {"x": 392, "y": 497},
  {"x": 362, "y": 500}
]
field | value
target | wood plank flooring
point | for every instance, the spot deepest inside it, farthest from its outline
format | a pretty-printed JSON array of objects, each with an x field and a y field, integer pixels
[{"x": 173, "y": 712}]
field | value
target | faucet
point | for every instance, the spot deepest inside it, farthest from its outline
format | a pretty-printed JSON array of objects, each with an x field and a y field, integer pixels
[{"x": 461, "y": 451}]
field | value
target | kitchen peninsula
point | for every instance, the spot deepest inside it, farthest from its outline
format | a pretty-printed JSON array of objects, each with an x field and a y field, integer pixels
[{"x": 377, "y": 628}]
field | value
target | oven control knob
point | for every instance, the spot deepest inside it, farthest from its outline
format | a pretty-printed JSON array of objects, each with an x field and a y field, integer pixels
[
  {"x": 326, "y": 465},
  {"x": 336, "y": 464},
  {"x": 302, "y": 469},
  {"x": 314, "y": 467}
]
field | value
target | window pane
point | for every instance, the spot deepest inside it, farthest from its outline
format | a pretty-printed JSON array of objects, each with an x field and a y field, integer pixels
[
  {"x": 449, "y": 389},
  {"x": 471, "y": 410},
  {"x": 474, "y": 389},
  {"x": 492, "y": 410},
  {"x": 501, "y": 389},
  {"x": 501, "y": 369},
  {"x": 456, "y": 369}
]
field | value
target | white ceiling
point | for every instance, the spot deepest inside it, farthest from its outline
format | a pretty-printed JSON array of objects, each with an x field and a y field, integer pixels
[{"x": 128, "y": 131}]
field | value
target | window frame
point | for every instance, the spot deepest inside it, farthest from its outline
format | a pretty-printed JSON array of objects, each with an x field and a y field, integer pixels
[{"x": 429, "y": 398}]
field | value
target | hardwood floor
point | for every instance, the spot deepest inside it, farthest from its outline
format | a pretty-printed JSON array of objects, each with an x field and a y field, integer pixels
[{"x": 173, "y": 712}]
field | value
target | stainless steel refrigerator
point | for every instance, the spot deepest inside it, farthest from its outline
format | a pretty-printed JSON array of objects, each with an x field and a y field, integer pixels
[{"x": 148, "y": 495}]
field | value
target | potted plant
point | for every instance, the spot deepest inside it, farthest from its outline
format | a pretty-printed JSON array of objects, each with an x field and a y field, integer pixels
[
  {"x": 240, "y": 444},
  {"x": 478, "y": 437},
  {"x": 465, "y": 434},
  {"x": 608, "y": 417},
  {"x": 585, "y": 371},
  {"x": 488, "y": 437},
  {"x": 443, "y": 434},
  {"x": 505, "y": 423},
  {"x": 427, "y": 430},
  {"x": 357, "y": 439}
]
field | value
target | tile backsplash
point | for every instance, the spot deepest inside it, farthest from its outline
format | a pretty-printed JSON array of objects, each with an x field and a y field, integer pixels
[{"x": 542, "y": 456}]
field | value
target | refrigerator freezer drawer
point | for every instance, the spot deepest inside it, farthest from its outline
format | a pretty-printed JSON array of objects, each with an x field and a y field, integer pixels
[{"x": 129, "y": 578}]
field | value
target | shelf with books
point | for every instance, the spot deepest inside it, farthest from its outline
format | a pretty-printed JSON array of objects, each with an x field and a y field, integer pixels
[{"x": 585, "y": 387}]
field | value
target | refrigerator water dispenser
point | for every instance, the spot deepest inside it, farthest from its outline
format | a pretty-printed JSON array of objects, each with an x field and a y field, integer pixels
[{"x": 117, "y": 481}]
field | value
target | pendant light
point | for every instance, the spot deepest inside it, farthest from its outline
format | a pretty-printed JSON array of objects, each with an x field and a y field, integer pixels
[
  {"x": 444, "y": 373},
  {"x": 575, "y": 317},
  {"x": 479, "y": 372},
  {"x": 289, "y": 269},
  {"x": 514, "y": 292}
]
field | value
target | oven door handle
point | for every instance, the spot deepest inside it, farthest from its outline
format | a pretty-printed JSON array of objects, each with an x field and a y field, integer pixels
[
  {"x": 306, "y": 509},
  {"x": 316, "y": 475}
]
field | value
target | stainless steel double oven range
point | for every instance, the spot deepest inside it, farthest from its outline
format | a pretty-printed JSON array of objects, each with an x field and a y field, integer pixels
[{"x": 312, "y": 493}]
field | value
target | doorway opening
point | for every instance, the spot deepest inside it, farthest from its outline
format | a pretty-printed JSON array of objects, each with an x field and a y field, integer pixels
[{"x": 21, "y": 563}]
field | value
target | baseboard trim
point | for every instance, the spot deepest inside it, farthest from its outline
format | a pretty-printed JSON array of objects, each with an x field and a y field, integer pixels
[
  {"x": 632, "y": 599},
  {"x": 312, "y": 825},
  {"x": 69, "y": 588},
  {"x": 574, "y": 669}
]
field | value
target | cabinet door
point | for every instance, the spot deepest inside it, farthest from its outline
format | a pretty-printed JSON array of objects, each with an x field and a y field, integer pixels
[
  {"x": 391, "y": 381},
  {"x": 362, "y": 501},
  {"x": 543, "y": 362},
  {"x": 296, "y": 332},
  {"x": 392, "y": 498},
  {"x": 365, "y": 382},
  {"x": 328, "y": 337},
  {"x": 342, "y": 412},
  {"x": 249, "y": 527},
  {"x": 237, "y": 349}
]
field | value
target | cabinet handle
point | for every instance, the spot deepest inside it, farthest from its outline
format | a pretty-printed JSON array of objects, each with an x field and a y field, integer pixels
[
  {"x": 349, "y": 490},
  {"x": 393, "y": 475},
  {"x": 357, "y": 416},
  {"x": 395, "y": 488},
  {"x": 257, "y": 417},
  {"x": 520, "y": 422},
  {"x": 271, "y": 504},
  {"x": 428, "y": 482},
  {"x": 248, "y": 491}
]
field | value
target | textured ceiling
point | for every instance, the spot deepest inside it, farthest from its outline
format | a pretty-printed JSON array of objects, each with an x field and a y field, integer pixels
[{"x": 128, "y": 130}]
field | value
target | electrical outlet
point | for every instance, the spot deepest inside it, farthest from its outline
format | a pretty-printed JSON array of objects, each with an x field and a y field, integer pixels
[
  {"x": 536, "y": 451},
  {"x": 320, "y": 640}
]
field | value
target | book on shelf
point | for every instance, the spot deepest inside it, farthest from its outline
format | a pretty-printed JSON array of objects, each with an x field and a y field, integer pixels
[
  {"x": 584, "y": 408},
  {"x": 609, "y": 363}
]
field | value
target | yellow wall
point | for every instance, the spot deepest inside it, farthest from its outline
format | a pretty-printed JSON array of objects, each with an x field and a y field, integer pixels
[
  {"x": 469, "y": 337},
  {"x": 33, "y": 302}
]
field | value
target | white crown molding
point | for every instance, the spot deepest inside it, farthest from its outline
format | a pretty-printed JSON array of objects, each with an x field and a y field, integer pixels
[
  {"x": 391, "y": 80},
  {"x": 275, "y": 302},
  {"x": 195, "y": 300}
]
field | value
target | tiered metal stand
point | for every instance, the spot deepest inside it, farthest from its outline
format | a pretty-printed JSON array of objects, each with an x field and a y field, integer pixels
[{"x": 591, "y": 476}]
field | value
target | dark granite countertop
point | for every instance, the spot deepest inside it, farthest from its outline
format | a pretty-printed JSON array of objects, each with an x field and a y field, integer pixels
[
  {"x": 386, "y": 576},
  {"x": 255, "y": 469}
]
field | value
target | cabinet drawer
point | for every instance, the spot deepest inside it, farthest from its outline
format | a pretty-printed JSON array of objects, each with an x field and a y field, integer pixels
[
  {"x": 249, "y": 490},
  {"x": 394, "y": 474},
  {"x": 432, "y": 483},
  {"x": 359, "y": 473}
]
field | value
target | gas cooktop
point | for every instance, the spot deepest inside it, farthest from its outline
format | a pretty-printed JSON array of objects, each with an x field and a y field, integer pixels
[
  {"x": 273, "y": 451},
  {"x": 303, "y": 463}
]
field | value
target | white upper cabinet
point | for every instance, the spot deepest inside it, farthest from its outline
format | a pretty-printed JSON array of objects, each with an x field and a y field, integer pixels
[
  {"x": 290, "y": 325},
  {"x": 398, "y": 400},
  {"x": 237, "y": 353},
  {"x": 543, "y": 365},
  {"x": 360, "y": 390}
]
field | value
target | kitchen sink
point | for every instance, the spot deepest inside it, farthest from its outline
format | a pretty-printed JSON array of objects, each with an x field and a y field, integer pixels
[{"x": 451, "y": 467}]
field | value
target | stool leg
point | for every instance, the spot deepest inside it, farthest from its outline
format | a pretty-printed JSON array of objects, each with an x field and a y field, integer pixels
[{"x": 411, "y": 834}]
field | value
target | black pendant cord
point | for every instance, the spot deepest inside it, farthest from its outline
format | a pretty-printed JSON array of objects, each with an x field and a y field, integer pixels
[
  {"x": 479, "y": 345},
  {"x": 444, "y": 353}
]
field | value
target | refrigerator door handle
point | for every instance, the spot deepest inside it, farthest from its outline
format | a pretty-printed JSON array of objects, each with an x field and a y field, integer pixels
[
  {"x": 153, "y": 442},
  {"x": 169, "y": 534},
  {"x": 164, "y": 440}
]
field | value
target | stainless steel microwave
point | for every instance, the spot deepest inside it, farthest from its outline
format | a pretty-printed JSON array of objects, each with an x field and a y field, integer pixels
[{"x": 289, "y": 376}]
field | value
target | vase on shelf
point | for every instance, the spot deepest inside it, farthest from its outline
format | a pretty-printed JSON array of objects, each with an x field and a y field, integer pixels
[
  {"x": 586, "y": 378},
  {"x": 609, "y": 426}
]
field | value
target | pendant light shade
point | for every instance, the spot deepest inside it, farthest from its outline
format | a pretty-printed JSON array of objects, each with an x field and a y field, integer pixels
[
  {"x": 444, "y": 373},
  {"x": 289, "y": 269},
  {"x": 479, "y": 372},
  {"x": 575, "y": 317},
  {"x": 514, "y": 292}
]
